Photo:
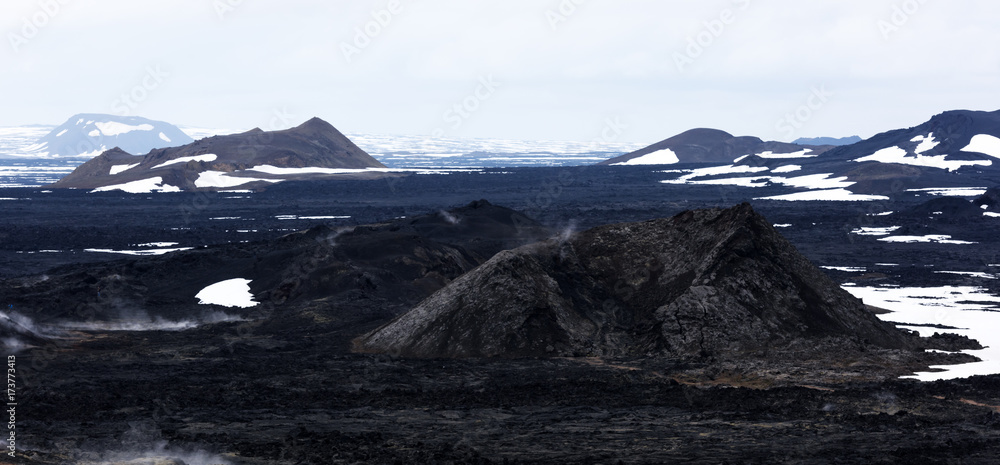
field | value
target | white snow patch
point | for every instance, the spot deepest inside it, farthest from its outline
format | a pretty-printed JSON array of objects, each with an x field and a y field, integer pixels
[
  {"x": 800, "y": 154},
  {"x": 815, "y": 181},
  {"x": 927, "y": 143},
  {"x": 782, "y": 226},
  {"x": 222, "y": 179},
  {"x": 64, "y": 131},
  {"x": 145, "y": 252},
  {"x": 275, "y": 170},
  {"x": 973, "y": 274},
  {"x": 964, "y": 307},
  {"x": 952, "y": 191},
  {"x": 114, "y": 128},
  {"x": 119, "y": 168},
  {"x": 991, "y": 214},
  {"x": 839, "y": 195},
  {"x": 939, "y": 239},
  {"x": 94, "y": 133},
  {"x": 164, "y": 137},
  {"x": 142, "y": 186},
  {"x": 714, "y": 171},
  {"x": 228, "y": 293},
  {"x": 985, "y": 144},
  {"x": 898, "y": 155},
  {"x": 786, "y": 169},
  {"x": 659, "y": 157},
  {"x": 205, "y": 158},
  {"x": 875, "y": 231},
  {"x": 847, "y": 269},
  {"x": 157, "y": 244}
]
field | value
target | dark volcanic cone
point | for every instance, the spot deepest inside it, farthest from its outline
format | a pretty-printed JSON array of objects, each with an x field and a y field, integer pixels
[
  {"x": 701, "y": 283},
  {"x": 313, "y": 144}
]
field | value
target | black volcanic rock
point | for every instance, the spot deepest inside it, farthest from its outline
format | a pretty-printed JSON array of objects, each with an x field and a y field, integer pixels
[
  {"x": 991, "y": 199},
  {"x": 702, "y": 283},
  {"x": 947, "y": 208},
  {"x": 314, "y": 144},
  {"x": 710, "y": 146},
  {"x": 345, "y": 273}
]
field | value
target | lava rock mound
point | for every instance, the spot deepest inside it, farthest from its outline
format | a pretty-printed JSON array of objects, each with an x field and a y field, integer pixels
[{"x": 702, "y": 283}]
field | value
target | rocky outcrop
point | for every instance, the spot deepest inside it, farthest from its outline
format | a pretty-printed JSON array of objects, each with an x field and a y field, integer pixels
[{"x": 702, "y": 283}]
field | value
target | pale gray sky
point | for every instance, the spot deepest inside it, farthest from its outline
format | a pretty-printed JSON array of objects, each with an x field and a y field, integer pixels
[{"x": 521, "y": 69}]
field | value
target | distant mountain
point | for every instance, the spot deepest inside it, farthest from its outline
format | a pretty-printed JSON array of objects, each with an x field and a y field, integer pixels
[
  {"x": 704, "y": 283},
  {"x": 89, "y": 134},
  {"x": 706, "y": 146},
  {"x": 950, "y": 141},
  {"x": 254, "y": 158},
  {"x": 827, "y": 141},
  {"x": 953, "y": 149}
]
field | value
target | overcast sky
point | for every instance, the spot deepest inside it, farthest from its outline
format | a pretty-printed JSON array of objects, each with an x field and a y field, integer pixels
[{"x": 631, "y": 70}]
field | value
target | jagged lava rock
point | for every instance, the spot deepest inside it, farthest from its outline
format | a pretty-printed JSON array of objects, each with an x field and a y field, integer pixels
[{"x": 701, "y": 283}]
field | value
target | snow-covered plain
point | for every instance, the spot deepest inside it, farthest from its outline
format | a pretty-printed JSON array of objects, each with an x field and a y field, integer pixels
[
  {"x": 228, "y": 293},
  {"x": 969, "y": 308}
]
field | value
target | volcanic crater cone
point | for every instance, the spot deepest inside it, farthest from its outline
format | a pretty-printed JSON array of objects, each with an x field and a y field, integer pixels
[{"x": 704, "y": 282}]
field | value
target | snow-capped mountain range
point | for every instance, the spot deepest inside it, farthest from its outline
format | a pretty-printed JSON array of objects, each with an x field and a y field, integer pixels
[{"x": 87, "y": 135}]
